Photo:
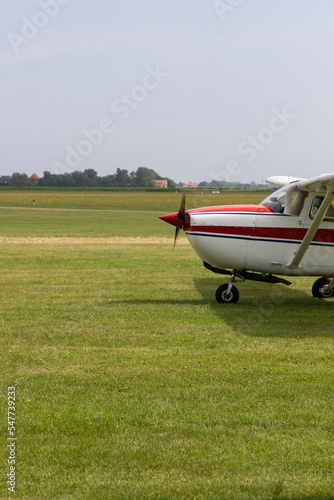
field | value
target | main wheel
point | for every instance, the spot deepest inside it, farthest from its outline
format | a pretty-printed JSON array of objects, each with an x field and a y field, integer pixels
[
  {"x": 319, "y": 289},
  {"x": 223, "y": 296}
]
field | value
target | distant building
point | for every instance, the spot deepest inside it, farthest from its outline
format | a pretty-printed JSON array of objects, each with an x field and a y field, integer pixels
[
  {"x": 190, "y": 185},
  {"x": 161, "y": 183},
  {"x": 34, "y": 179}
]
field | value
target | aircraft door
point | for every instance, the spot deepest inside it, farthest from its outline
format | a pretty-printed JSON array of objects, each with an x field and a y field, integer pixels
[{"x": 274, "y": 241}]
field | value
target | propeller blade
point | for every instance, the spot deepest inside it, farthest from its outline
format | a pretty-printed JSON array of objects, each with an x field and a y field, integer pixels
[
  {"x": 177, "y": 219},
  {"x": 175, "y": 237},
  {"x": 182, "y": 210},
  {"x": 181, "y": 215}
]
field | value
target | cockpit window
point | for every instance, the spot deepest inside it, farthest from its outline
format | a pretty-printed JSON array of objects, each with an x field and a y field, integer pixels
[
  {"x": 288, "y": 200},
  {"x": 316, "y": 204},
  {"x": 277, "y": 203},
  {"x": 298, "y": 201}
]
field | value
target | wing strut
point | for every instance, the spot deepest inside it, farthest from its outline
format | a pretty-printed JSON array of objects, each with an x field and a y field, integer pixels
[{"x": 313, "y": 228}]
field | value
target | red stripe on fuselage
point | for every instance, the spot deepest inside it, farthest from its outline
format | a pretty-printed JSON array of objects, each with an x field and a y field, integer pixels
[{"x": 285, "y": 233}]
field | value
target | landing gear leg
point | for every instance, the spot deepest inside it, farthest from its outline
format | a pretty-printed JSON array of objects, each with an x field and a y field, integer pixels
[{"x": 228, "y": 292}]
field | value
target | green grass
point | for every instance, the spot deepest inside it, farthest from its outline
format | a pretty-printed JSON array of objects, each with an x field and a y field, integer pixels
[
  {"x": 132, "y": 382},
  {"x": 123, "y": 200},
  {"x": 76, "y": 223}
]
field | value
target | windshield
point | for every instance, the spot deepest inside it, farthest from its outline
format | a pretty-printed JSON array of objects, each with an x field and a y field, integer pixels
[{"x": 288, "y": 200}]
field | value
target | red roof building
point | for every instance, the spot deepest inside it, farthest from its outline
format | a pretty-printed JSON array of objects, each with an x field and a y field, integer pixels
[
  {"x": 161, "y": 183},
  {"x": 34, "y": 179},
  {"x": 190, "y": 185}
]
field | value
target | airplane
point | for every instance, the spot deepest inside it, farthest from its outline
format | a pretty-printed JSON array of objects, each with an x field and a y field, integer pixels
[{"x": 290, "y": 233}]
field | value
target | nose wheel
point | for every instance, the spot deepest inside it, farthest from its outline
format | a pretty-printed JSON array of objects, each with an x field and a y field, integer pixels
[
  {"x": 227, "y": 293},
  {"x": 223, "y": 295}
]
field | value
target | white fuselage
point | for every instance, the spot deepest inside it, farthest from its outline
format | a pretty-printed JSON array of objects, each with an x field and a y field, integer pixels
[{"x": 255, "y": 238}]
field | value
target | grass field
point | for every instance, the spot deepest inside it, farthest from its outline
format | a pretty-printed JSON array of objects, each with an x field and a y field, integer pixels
[
  {"x": 131, "y": 382},
  {"x": 123, "y": 199}
]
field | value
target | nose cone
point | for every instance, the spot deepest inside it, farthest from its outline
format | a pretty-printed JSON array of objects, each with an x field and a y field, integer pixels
[{"x": 173, "y": 219}]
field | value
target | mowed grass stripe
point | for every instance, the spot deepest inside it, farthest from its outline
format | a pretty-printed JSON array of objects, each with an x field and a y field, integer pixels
[
  {"x": 83, "y": 224},
  {"x": 116, "y": 240}
]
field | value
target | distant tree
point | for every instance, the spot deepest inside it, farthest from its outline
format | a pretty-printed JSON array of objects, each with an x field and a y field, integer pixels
[
  {"x": 133, "y": 176},
  {"x": 79, "y": 178},
  {"x": 20, "y": 179},
  {"x": 145, "y": 177},
  {"x": 5, "y": 180},
  {"x": 107, "y": 181},
  {"x": 92, "y": 177},
  {"x": 66, "y": 180},
  {"x": 122, "y": 178},
  {"x": 48, "y": 179}
]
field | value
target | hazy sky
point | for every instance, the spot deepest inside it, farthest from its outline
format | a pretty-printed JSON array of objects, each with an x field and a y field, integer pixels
[{"x": 234, "y": 90}]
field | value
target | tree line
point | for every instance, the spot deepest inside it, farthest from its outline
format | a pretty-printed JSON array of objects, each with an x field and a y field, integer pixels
[{"x": 143, "y": 177}]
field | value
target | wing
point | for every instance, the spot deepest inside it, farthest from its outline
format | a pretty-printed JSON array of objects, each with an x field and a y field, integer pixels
[
  {"x": 316, "y": 183},
  {"x": 282, "y": 180},
  {"x": 324, "y": 184}
]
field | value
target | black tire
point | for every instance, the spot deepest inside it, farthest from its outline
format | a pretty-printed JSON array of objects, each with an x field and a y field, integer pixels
[
  {"x": 319, "y": 289},
  {"x": 222, "y": 297}
]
